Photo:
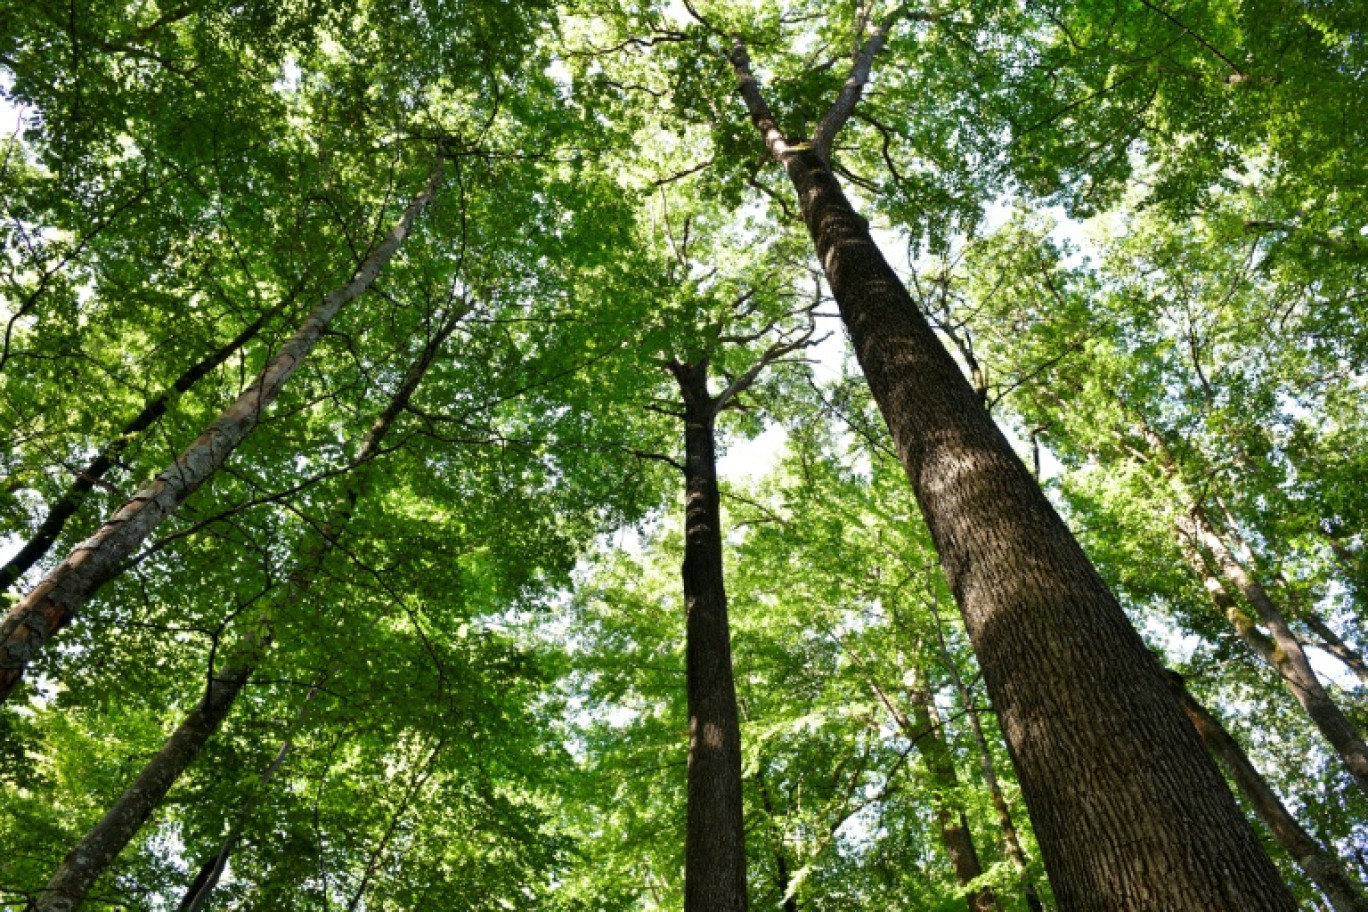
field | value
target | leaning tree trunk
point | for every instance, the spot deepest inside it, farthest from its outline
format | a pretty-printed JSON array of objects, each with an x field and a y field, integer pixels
[
  {"x": 1280, "y": 649},
  {"x": 99, "y": 847},
  {"x": 92, "y": 855},
  {"x": 1129, "y": 810},
  {"x": 55, "y": 600},
  {"x": 1334, "y": 644},
  {"x": 715, "y": 842},
  {"x": 1321, "y": 866},
  {"x": 923, "y": 728},
  {"x": 71, "y": 499}
]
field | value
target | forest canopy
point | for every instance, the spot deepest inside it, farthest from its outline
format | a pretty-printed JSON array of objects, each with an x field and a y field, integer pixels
[{"x": 705, "y": 454}]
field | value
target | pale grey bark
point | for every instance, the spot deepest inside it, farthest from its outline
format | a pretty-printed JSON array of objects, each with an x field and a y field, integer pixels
[{"x": 55, "y": 600}]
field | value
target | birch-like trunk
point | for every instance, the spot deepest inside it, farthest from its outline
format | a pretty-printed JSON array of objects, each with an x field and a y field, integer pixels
[
  {"x": 99, "y": 847},
  {"x": 38, "y": 545},
  {"x": 55, "y": 600}
]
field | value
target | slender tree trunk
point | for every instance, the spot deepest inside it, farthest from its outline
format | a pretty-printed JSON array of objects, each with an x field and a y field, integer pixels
[
  {"x": 54, "y": 601},
  {"x": 1331, "y": 642},
  {"x": 923, "y": 729},
  {"x": 93, "y": 854},
  {"x": 1281, "y": 649},
  {"x": 1129, "y": 810},
  {"x": 66, "y": 506},
  {"x": 715, "y": 846},
  {"x": 88, "y": 860},
  {"x": 419, "y": 780},
  {"x": 196, "y": 897},
  {"x": 940, "y": 764},
  {"x": 782, "y": 878},
  {"x": 1010, "y": 839},
  {"x": 1320, "y": 865}
]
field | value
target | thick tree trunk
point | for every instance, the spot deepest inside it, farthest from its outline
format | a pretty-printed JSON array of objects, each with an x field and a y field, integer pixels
[
  {"x": 927, "y": 733},
  {"x": 1281, "y": 649},
  {"x": 1321, "y": 866},
  {"x": 715, "y": 846},
  {"x": 1129, "y": 810},
  {"x": 66, "y": 506},
  {"x": 54, "y": 601},
  {"x": 93, "y": 854}
]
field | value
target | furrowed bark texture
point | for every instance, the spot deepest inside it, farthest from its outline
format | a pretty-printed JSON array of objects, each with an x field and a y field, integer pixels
[
  {"x": 37, "y": 547},
  {"x": 1321, "y": 866},
  {"x": 927, "y": 733},
  {"x": 91, "y": 856},
  {"x": 715, "y": 843},
  {"x": 54, "y": 601},
  {"x": 1280, "y": 649},
  {"x": 1129, "y": 810}
]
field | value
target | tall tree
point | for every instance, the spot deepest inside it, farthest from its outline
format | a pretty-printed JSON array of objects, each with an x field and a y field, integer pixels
[
  {"x": 88, "y": 859},
  {"x": 1067, "y": 672},
  {"x": 54, "y": 601}
]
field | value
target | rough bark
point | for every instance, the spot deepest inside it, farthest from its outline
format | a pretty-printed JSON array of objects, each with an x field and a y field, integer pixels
[
  {"x": 715, "y": 842},
  {"x": 1280, "y": 648},
  {"x": 92, "y": 855},
  {"x": 1129, "y": 810},
  {"x": 55, "y": 600},
  {"x": 38, "y": 545},
  {"x": 1320, "y": 865}
]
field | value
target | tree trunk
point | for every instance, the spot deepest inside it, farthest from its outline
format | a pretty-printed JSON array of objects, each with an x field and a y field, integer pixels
[
  {"x": 715, "y": 845},
  {"x": 928, "y": 734},
  {"x": 1010, "y": 839},
  {"x": 93, "y": 854},
  {"x": 1281, "y": 650},
  {"x": 66, "y": 506},
  {"x": 782, "y": 878},
  {"x": 54, "y": 601},
  {"x": 1321, "y": 866},
  {"x": 196, "y": 897},
  {"x": 1129, "y": 810},
  {"x": 1332, "y": 643}
]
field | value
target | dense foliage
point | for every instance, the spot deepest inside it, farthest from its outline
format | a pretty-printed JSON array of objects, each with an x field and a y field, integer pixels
[{"x": 447, "y": 554}]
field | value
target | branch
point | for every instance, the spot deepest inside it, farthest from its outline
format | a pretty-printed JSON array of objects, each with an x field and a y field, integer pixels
[
  {"x": 775, "y": 140},
  {"x": 844, "y": 105},
  {"x": 772, "y": 354}
]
